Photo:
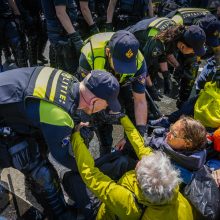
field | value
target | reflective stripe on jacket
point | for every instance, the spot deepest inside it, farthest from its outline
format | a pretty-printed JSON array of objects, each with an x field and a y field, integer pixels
[
  {"x": 44, "y": 83},
  {"x": 189, "y": 16},
  {"x": 94, "y": 51}
]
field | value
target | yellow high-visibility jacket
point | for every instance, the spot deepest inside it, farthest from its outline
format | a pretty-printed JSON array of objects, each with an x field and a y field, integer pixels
[{"x": 119, "y": 200}]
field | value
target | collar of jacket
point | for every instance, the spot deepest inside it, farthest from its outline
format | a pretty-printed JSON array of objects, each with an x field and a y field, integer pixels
[{"x": 192, "y": 160}]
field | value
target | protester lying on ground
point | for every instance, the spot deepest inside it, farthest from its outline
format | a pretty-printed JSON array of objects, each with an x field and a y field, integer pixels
[
  {"x": 153, "y": 185},
  {"x": 184, "y": 143}
]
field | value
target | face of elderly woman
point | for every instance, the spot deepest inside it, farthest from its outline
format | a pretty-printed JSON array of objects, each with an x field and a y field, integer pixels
[{"x": 176, "y": 137}]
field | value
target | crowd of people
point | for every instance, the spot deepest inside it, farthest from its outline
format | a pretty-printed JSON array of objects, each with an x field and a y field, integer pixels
[{"x": 109, "y": 61}]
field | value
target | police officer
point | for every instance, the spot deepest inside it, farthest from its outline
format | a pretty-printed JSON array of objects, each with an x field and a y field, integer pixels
[
  {"x": 38, "y": 106},
  {"x": 211, "y": 26},
  {"x": 118, "y": 53},
  {"x": 127, "y": 13},
  {"x": 8, "y": 30},
  {"x": 34, "y": 29},
  {"x": 61, "y": 17},
  {"x": 204, "y": 105},
  {"x": 161, "y": 39}
]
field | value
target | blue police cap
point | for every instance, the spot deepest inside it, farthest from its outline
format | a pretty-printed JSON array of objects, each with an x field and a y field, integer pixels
[
  {"x": 195, "y": 37},
  {"x": 124, "y": 49},
  {"x": 105, "y": 86}
]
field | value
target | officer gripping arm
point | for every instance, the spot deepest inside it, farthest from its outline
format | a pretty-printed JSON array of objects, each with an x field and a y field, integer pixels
[{"x": 119, "y": 54}]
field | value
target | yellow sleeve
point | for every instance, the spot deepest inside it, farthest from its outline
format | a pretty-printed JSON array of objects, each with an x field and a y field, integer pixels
[
  {"x": 135, "y": 138},
  {"x": 118, "y": 199}
]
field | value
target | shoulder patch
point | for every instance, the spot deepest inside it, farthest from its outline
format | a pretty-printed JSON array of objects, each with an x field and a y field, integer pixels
[
  {"x": 156, "y": 52},
  {"x": 141, "y": 79}
]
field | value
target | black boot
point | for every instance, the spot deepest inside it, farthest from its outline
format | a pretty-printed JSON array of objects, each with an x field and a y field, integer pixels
[
  {"x": 41, "y": 47},
  {"x": 32, "y": 50}
]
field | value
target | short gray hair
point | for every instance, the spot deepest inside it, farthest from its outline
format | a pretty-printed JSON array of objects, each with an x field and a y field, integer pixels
[{"x": 157, "y": 177}]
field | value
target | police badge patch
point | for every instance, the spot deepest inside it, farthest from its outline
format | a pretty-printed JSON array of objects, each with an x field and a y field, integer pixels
[
  {"x": 156, "y": 52},
  {"x": 141, "y": 79}
]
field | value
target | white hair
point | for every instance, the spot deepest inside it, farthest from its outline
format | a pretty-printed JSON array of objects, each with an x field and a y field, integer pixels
[{"x": 157, "y": 177}]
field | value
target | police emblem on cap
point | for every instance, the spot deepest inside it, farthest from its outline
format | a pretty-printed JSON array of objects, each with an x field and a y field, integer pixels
[
  {"x": 216, "y": 34},
  {"x": 156, "y": 52},
  {"x": 129, "y": 54}
]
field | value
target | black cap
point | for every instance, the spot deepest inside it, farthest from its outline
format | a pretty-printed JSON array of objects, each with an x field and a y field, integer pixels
[
  {"x": 105, "y": 86},
  {"x": 195, "y": 37},
  {"x": 124, "y": 49},
  {"x": 211, "y": 27}
]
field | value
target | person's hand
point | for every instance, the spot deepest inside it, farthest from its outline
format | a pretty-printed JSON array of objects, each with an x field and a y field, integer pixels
[
  {"x": 76, "y": 41},
  {"x": 167, "y": 83},
  {"x": 80, "y": 125},
  {"x": 120, "y": 145},
  {"x": 216, "y": 176},
  {"x": 108, "y": 27},
  {"x": 85, "y": 131},
  {"x": 156, "y": 96},
  {"x": 93, "y": 29},
  {"x": 143, "y": 130}
]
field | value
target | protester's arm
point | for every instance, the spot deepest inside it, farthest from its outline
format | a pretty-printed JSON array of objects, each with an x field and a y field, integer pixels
[
  {"x": 110, "y": 10},
  {"x": 135, "y": 138},
  {"x": 64, "y": 18},
  {"x": 117, "y": 198}
]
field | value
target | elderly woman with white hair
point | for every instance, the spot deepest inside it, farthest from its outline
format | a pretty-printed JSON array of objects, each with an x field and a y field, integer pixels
[{"x": 148, "y": 192}]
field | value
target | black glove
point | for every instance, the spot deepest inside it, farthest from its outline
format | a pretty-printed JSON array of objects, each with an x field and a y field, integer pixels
[
  {"x": 143, "y": 130},
  {"x": 107, "y": 118},
  {"x": 108, "y": 27},
  {"x": 76, "y": 41},
  {"x": 87, "y": 134},
  {"x": 93, "y": 29},
  {"x": 156, "y": 96},
  {"x": 167, "y": 82}
]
